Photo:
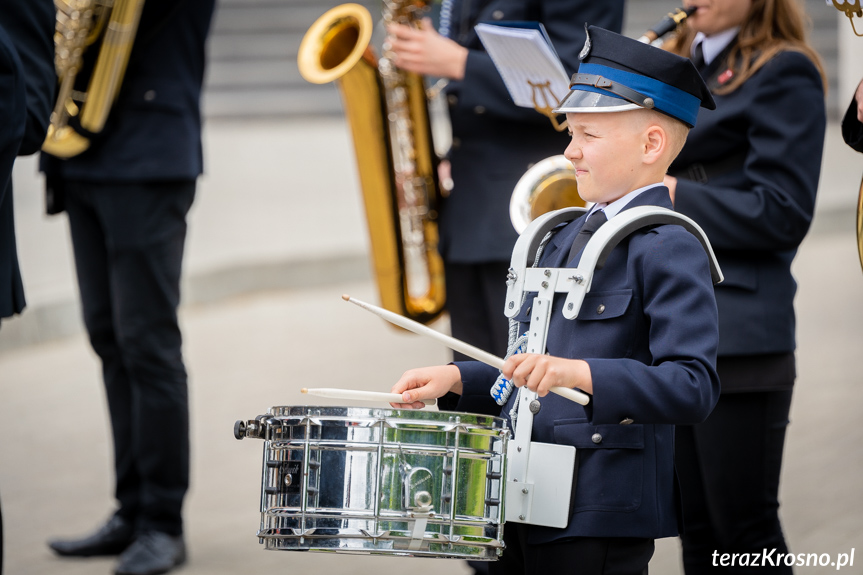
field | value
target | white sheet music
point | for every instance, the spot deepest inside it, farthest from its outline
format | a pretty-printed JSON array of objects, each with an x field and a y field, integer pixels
[{"x": 526, "y": 62}]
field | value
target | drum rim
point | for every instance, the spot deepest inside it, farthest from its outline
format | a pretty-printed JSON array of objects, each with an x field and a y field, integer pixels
[{"x": 376, "y": 413}]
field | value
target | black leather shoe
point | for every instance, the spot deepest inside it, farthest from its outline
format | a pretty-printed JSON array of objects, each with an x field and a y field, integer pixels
[
  {"x": 152, "y": 552},
  {"x": 110, "y": 539}
]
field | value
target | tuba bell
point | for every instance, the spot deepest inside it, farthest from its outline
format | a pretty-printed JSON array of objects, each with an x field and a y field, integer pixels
[
  {"x": 546, "y": 186},
  {"x": 387, "y": 111},
  {"x": 79, "y": 114}
]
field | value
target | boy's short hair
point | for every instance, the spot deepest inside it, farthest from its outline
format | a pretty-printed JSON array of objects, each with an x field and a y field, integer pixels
[
  {"x": 617, "y": 73},
  {"x": 675, "y": 129}
]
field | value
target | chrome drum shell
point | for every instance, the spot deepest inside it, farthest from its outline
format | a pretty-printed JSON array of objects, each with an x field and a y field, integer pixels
[{"x": 382, "y": 481}]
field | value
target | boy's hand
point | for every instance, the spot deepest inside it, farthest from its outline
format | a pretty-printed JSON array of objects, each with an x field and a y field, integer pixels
[
  {"x": 542, "y": 372},
  {"x": 426, "y": 383},
  {"x": 424, "y": 51}
]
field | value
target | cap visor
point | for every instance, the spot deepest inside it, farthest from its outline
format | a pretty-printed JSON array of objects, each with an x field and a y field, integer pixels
[{"x": 584, "y": 101}]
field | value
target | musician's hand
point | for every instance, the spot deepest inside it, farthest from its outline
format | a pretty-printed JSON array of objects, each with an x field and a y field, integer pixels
[
  {"x": 670, "y": 183},
  {"x": 426, "y": 383},
  {"x": 444, "y": 175},
  {"x": 859, "y": 97},
  {"x": 542, "y": 372},
  {"x": 424, "y": 51}
]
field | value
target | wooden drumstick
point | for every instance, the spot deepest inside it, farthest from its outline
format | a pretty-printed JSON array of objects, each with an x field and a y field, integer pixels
[
  {"x": 361, "y": 395},
  {"x": 457, "y": 345}
]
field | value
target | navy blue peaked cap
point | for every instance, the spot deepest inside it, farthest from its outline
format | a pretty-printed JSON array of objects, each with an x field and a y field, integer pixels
[{"x": 617, "y": 73}]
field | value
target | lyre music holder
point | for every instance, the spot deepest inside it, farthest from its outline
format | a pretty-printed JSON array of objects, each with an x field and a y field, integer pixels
[{"x": 542, "y": 90}]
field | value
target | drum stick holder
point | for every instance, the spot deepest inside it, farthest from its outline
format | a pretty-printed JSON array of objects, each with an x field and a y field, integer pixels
[{"x": 540, "y": 477}]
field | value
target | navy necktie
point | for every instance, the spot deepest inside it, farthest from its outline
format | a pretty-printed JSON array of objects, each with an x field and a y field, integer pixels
[
  {"x": 592, "y": 224},
  {"x": 698, "y": 57}
]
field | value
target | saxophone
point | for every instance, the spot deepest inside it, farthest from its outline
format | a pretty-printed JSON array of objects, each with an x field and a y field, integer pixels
[
  {"x": 80, "y": 24},
  {"x": 387, "y": 111}
]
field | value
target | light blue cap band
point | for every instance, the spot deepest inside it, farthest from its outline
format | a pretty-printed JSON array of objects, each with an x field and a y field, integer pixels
[{"x": 668, "y": 99}]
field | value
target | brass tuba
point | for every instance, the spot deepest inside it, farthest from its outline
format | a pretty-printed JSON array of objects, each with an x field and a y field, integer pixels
[
  {"x": 546, "y": 186},
  {"x": 81, "y": 23},
  {"x": 387, "y": 110}
]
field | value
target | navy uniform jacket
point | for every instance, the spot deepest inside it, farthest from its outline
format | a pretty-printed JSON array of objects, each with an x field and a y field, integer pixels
[
  {"x": 27, "y": 83},
  {"x": 495, "y": 141},
  {"x": 757, "y": 209},
  {"x": 652, "y": 356},
  {"x": 154, "y": 129}
]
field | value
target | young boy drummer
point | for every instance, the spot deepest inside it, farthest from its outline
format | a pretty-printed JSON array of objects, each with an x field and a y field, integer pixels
[{"x": 644, "y": 343}]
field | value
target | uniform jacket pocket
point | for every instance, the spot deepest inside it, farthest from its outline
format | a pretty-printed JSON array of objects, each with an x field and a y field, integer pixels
[
  {"x": 610, "y": 464},
  {"x": 605, "y": 305}
]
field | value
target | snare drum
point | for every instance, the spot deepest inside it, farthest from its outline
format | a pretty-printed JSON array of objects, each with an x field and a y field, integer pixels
[{"x": 381, "y": 481}]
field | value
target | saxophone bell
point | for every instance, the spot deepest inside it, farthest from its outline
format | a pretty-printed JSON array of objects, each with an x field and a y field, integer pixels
[{"x": 387, "y": 111}]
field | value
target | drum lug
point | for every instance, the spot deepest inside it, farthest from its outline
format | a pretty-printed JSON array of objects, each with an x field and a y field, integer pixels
[
  {"x": 416, "y": 483},
  {"x": 376, "y": 535},
  {"x": 240, "y": 429},
  {"x": 448, "y": 538},
  {"x": 251, "y": 428},
  {"x": 255, "y": 428}
]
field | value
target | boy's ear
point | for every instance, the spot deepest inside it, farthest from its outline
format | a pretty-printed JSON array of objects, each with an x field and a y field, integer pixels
[{"x": 655, "y": 143}]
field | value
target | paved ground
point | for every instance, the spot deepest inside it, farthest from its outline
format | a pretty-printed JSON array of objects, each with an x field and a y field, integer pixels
[{"x": 249, "y": 353}]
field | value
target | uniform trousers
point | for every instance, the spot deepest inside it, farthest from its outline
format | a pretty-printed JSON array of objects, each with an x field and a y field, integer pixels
[
  {"x": 128, "y": 240},
  {"x": 729, "y": 469},
  {"x": 572, "y": 556},
  {"x": 476, "y": 294}
]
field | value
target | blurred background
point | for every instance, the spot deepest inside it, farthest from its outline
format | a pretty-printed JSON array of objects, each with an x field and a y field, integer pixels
[{"x": 276, "y": 235}]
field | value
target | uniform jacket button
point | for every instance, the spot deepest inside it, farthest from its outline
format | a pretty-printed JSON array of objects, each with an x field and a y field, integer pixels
[
  {"x": 600, "y": 308},
  {"x": 596, "y": 438},
  {"x": 479, "y": 110},
  {"x": 497, "y": 14},
  {"x": 626, "y": 421},
  {"x": 452, "y": 99}
]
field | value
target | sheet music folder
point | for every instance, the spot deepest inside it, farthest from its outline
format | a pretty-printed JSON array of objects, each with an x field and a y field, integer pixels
[{"x": 527, "y": 62}]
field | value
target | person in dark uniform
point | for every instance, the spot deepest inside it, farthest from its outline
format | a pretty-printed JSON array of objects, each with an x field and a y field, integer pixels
[
  {"x": 27, "y": 84},
  {"x": 30, "y": 58},
  {"x": 127, "y": 197},
  {"x": 644, "y": 342},
  {"x": 493, "y": 143},
  {"x": 748, "y": 175},
  {"x": 852, "y": 122}
]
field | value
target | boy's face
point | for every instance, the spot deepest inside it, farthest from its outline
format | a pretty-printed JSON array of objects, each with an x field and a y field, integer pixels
[{"x": 606, "y": 151}]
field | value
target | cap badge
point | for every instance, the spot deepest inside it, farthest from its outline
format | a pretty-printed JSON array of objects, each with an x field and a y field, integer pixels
[{"x": 586, "y": 49}]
